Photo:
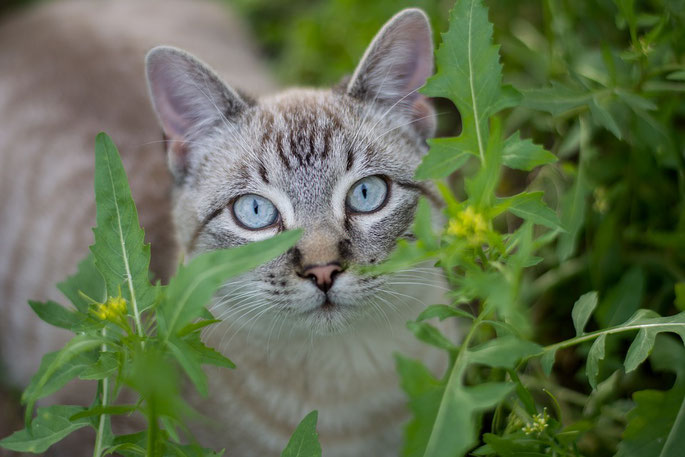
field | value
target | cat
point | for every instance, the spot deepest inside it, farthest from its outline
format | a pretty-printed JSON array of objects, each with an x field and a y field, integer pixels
[{"x": 306, "y": 330}]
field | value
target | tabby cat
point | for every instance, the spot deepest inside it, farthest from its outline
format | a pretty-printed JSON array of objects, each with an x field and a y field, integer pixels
[{"x": 306, "y": 330}]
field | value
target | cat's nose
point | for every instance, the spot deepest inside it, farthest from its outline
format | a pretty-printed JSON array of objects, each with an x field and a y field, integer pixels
[{"x": 322, "y": 275}]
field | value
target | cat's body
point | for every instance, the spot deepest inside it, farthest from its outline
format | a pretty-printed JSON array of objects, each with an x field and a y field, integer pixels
[{"x": 306, "y": 331}]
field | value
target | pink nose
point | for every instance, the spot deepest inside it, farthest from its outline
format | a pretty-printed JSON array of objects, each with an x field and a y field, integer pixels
[{"x": 322, "y": 275}]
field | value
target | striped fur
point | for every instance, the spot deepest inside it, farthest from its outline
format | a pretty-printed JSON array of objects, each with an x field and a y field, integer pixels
[{"x": 302, "y": 149}]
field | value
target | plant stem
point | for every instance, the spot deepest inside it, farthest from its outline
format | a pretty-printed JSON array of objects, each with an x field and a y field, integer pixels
[
  {"x": 103, "y": 417},
  {"x": 593, "y": 335},
  {"x": 152, "y": 430}
]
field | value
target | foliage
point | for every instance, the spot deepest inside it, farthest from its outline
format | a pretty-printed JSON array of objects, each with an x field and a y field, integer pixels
[
  {"x": 131, "y": 334},
  {"x": 501, "y": 245}
]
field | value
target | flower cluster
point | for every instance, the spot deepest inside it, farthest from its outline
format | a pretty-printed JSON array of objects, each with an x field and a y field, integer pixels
[
  {"x": 538, "y": 425},
  {"x": 112, "y": 310},
  {"x": 470, "y": 225}
]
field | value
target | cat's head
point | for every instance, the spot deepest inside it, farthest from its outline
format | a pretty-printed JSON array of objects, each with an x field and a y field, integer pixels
[{"x": 338, "y": 163}]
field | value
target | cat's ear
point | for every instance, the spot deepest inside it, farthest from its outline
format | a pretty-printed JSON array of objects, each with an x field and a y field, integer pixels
[
  {"x": 395, "y": 65},
  {"x": 187, "y": 97}
]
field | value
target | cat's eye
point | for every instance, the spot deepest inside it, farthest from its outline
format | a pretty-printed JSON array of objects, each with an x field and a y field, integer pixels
[
  {"x": 254, "y": 212},
  {"x": 367, "y": 194}
]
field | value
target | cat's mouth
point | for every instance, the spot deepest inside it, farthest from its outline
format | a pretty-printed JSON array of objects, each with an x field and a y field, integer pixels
[{"x": 328, "y": 305}]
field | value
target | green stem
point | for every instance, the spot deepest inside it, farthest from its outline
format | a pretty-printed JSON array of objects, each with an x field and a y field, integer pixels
[
  {"x": 593, "y": 335},
  {"x": 103, "y": 417},
  {"x": 152, "y": 430}
]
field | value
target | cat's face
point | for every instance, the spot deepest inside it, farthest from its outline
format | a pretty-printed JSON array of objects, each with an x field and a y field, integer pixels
[{"x": 338, "y": 164}]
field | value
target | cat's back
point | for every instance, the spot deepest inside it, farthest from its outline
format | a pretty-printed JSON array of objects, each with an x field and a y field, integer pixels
[{"x": 68, "y": 70}]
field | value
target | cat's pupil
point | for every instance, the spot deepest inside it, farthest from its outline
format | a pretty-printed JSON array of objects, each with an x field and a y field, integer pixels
[
  {"x": 364, "y": 191},
  {"x": 255, "y": 206}
]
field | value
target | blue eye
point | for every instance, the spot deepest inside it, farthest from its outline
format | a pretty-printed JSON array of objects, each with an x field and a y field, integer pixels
[
  {"x": 367, "y": 194},
  {"x": 255, "y": 212}
]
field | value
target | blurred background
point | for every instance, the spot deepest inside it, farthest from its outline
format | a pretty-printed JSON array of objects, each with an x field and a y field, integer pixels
[{"x": 620, "y": 187}]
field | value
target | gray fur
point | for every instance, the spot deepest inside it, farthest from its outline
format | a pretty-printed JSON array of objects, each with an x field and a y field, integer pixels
[{"x": 308, "y": 147}]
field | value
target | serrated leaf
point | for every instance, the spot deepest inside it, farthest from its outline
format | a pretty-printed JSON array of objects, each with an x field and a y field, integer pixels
[
  {"x": 593, "y": 358},
  {"x": 503, "y": 352},
  {"x": 207, "y": 355},
  {"x": 55, "y": 314},
  {"x": 87, "y": 280},
  {"x": 51, "y": 425},
  {"x": 524, "y": 154},
  {"x": 469, "y": 72},
  {"x": 582, "y": 310},
  {"x": 529, "y": 206},
  {"x": 444, "y": 158},
  {"x": 431, "y": 335},
  {"x": 442, "y": 312},
  {"x": 191, "y": 289},
  {"x": 120, "y": 252},
  {"x": 304, "y": 442}
]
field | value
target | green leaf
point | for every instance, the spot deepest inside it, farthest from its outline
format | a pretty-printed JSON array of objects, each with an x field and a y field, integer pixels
[
  {"x": 680, "y": 296},
  {"x": 58, "y": 368},
  {"x": 650, "y": 325},
  {"x": 594, "y": 356},
  {"x": 557, "y": 99},
  {"x": 676, "y": 75},
  {"x": 582, "y": 310},
  {"x": 655, "y": 424},
  {"x": 601, "y": 114},
  {"x": 431, "y": 335},
  {"x": 442, "y": 312},
  {"x": 529, "y": 206},
  {"x": 87, "y": 280},
  {"x": 547, "y": 361},
  {"x": 121, "y": 255},
  {"x": 573, "y": 204},
  {"x": 524, "y": 154},
  {"x": 209, "y": 356},
  {"x": 444, "y": 157},
  {"x": 194, "y": 285},
  {"x": 305, "y": 441},
  {"x": 454, "y": 431},
  {"x": 469, "y": 73},
  {"x": 424, "y": 392},
  {"x": 423, "y": 226},
  {"x": 50, "y": 426},
  {"x": 105, "y": 366},
  {"x": 503, "y": 352},
  {"x": 55, "y": 314},
  {"x": 109, "y": 409},
  {"x": 190, "y": 363}
]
